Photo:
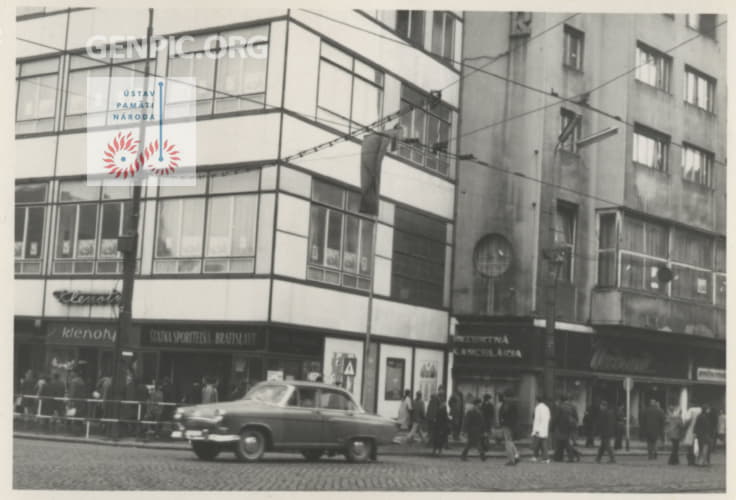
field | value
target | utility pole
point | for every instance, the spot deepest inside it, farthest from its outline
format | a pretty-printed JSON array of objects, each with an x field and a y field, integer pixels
[
  {"x": 555, "y": 257},
  {"x": 128, "y": 246}
]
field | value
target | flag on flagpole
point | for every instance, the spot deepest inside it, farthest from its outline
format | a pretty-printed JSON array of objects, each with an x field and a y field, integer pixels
[{"x": 371, "y": 157}]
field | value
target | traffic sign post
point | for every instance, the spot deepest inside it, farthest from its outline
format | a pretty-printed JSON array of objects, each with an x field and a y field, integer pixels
[{"x": 628, "y": 385}]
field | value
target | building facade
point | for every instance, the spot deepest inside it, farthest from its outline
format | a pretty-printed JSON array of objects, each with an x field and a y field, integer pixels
[
  {"x": 264, "y": 269},
  {"x": 640, "y": 215}
]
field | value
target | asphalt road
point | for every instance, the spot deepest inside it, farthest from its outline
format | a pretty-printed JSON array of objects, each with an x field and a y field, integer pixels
[{"x": 75, "y": 466}]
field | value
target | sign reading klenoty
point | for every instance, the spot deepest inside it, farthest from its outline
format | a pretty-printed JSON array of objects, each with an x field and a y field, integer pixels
[
  {"x": 203, "y": 337},
  {"x": 486, "y": 346},
  {"x": 118, "y": 107},
  {"x": 82, "y": 334},
  {"x": 79, "y": 298}
]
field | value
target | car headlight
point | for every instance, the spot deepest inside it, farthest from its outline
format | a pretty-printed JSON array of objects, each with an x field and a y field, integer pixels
[
  {"x": 219, "y": 415},
  {"x": 178, "y": 414}
]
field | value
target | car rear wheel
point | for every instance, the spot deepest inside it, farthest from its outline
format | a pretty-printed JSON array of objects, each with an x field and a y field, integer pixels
[
  {"x": 205, "y": 451},
  {"x": 312, "y": 455},
  {"x": 359, "y": 450},
  {"x": 251, "y": 446}
]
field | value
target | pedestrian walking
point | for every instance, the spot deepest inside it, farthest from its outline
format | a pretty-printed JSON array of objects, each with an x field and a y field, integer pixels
[
  {"x": 78, "y": 394},
  {"x": 57, "y": 406},
  {"x": 474, "y": 427},
  {"x": 673, "y": 431},
  {"x": 431, "y": 416},
  {"x": 417, "y": 419},
  {"x": 508, "y": 419},
  {"x": 489, "y": 414},
  {"x": 563, "y": 424},
  {"x": 620, "y": 427},
  {"x": 404, "y": 417},
  {"x": 441, "y": 427},
  {"x": 540, "y": 430},
  {"x": 722, "y": 426},
  {"x": 589, "y": 427},
  {"x": 606, "y": 427},
  {"x": 706, "y": 426},
  {"x": 652, "y": 426},
  {"x": 457, "y": 405},
  {"x": 29, "y": 403},
  {"x": 689, "y": 440}
]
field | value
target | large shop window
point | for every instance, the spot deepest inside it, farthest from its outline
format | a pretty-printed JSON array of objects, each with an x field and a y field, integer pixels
[
  {"x": 30, "y": 217},
  {"x": 429, "y": 122},
  {"x": 340, "y": 240},
  {"x": 230, "y": 71},
  {"x": 81, "y": 67},
  {"x": 651, "y": 149},
  {"x": 645, "y": 246},
  {"x": 350, "y": 91},
  {"x": 37, "y": 84},
  {"x": 209, "y": 227},
  {"x": 410, "y": 25},
  {"x": 565, "y": 229},
  {"x": 700, "y": 89},
  {"x": 653, "y": 67},
  {"x": 89, "y": 221},
  {"x": 693, "y": 257},
  {"x": 418, "y": 269},
  {"x": 697, "y": 165}
]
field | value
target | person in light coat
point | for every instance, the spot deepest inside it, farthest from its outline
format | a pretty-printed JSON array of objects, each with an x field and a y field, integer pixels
[
  {"x": 540, "y": 430},
  {"x": 405, "y": 411},
  {"x": 689, "y": 440}
]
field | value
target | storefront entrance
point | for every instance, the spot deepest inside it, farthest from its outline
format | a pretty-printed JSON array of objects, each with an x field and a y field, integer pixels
[{"x": 185, "y": 369}]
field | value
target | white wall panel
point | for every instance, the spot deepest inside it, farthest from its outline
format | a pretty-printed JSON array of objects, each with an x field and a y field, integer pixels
[
  {"x": 237, "y": 139},
  {"x": 265, "y": 233},
  {"x": 276, "y": 52},
  {"x": 384, "y": 241},
  {"x": 390, "y": 408},
  {"x": 302, "y": 65},
  {"x": 174, "y": 20},
  {"x": 406, "y": 321},
  {"x": 315, "y": 306},
  {"x": 382, "y": 276},
  {"x": 201, "y": 299},
  {"x": 293, "y": 215},
  {"x": 108, "y": 22},
  {"x": 34, "y": 157},
  {"x": 49, "y": 31},
  {"x": 291, "y": 255},
  {"x": 28, "y": 296},
  {"x": 416, "y": 188},
  {"x": 72, "y": 156},
  {"x": 295, "y": 182}
]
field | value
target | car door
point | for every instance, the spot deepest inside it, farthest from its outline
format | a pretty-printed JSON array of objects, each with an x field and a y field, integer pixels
[
  {"x": 339, "y": 421},
  {"x": 302, "y": 419}
]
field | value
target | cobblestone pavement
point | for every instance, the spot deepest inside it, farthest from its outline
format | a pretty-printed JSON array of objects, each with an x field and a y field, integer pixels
[{"x": 55, "y": 465}]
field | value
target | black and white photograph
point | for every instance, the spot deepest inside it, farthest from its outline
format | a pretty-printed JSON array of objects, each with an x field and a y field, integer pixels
[{"x": 349, "y": 247}]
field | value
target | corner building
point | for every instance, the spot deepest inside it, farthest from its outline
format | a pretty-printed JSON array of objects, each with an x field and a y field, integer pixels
[
  {"x": 263, "y": 269},
  {"x": 623, "y": 207}
]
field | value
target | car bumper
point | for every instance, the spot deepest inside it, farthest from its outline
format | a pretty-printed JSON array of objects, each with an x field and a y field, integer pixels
[{"x": 204, "y": 435}]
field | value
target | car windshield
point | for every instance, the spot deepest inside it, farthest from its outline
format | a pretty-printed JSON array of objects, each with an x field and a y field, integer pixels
[{"x": 268, "y": 393}]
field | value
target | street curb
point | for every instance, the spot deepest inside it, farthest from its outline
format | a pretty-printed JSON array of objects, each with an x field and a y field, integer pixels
[{"x": 391, "y": 450}]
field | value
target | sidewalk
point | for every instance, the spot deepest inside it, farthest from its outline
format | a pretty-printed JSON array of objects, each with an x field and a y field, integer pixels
[{"x": 413, "y": 449}]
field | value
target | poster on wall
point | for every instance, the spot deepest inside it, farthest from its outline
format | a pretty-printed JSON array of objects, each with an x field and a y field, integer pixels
[
  {"x": 342, "y": 366},
  {"x": 394, "y": 379},
  {"x": 428, "y": 378}
]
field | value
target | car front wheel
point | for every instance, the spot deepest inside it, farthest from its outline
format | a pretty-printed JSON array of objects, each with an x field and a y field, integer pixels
[
  {"x": 205, "y": 451},
  {"x": 251, "y": 446},
  {"x": 359, "y": 450},
  {"x": 312, "y": 455}
]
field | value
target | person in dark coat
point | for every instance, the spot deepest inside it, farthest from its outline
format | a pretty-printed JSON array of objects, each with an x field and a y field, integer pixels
[
  {"x": 508, "y": 418},
  {"x": 705, "y": 429},
  {"x": 674, "y": 431},
  {"x": 28, "y": 388},
  {"x": 77, "y": 393},
  {"x": 652, "y": 427},
  {"x": 418, "y": 416},
  {"x": 431, "y": 416},
  {"x": 489, "y": 413},
  {"x": 588, "y": 427},
  {"x": 606, "y": 428},
  {"x": 441, "y": 427},
  {"x": 474, "y": 427},
  {"x": 620, "y": 427},
  {"x": 564, "y": 423},
  {"x": 457, "y": 407}
]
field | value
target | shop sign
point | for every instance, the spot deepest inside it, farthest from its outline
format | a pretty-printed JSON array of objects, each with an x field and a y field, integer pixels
[
  {"x": 78, "y": 298},
  {"x": 203, "y": 337},
  {"x": 608, "y": 361},
  {"x": 487, "y": 346},
  {"x": 711, "y": 375},
  {"x": 82, "y": 334}
]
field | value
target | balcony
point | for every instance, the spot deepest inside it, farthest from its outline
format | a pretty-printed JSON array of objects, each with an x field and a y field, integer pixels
[{"x": 642, "y": 310}]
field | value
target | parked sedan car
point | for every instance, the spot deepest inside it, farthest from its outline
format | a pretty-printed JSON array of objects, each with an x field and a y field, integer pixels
[{"x": 309, "y": 417}]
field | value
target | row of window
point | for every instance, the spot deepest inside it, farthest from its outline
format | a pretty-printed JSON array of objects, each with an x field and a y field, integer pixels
[
  {"x": 632, "y": 251},
  {"x": 212, "y": 228},
  {"x": 650, "y": 149},
  {"x": 653, "y": 68}
]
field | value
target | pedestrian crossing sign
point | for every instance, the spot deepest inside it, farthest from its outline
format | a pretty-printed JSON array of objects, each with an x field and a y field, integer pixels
[{"x": 349, "y": 370}]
